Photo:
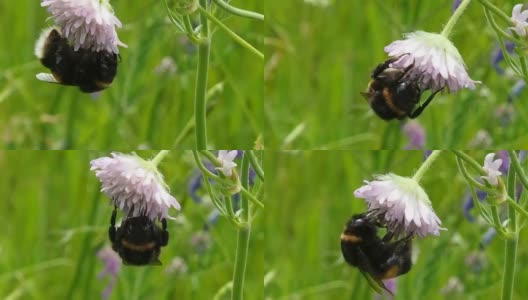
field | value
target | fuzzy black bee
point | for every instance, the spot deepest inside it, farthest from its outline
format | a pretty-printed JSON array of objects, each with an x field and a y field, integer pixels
[
  {"x": 393, "y": 94},
  {"x": 91, "y": 71},
  {"x": 376, "y": 258},
  {"x": 138, "y": 240}
]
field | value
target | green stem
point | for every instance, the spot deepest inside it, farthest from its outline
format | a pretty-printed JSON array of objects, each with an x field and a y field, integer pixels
[
  {"x": 190, "y": 30},
  {"x": 254, "y": 163},
  {"x": 518, "y": 169},
  {"x": 500, "y": 36},
  {"x": 233, "y": 35},
  {"x": 473, "y": 163},
  {"x": 200, "y": 100},
  {"x": 454, "y": 18},
  {"x": 510, "y": 251},
  {"x": 517, "y": 207},
  {"x": 426, "y": 164},
  {"x": 496, "y": 219},
  {"x": 238, "y": 12},
  {"x": 497, "y": 11},
  {"x": 250, "y": 197},
  {"x": 159, "y": 157},
  {"x": 202, "y": 167},
  {"x": 243, "y": 238},
  {"x": 210, "y": 156},
  {"x": 483, "y": 212}
]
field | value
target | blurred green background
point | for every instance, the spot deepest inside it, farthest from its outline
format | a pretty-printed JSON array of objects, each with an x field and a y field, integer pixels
[
  {"x": 312, "y": 197},
  {"x": 143, "y": 108},
  {"x": 319, "y": 59},
  {"x": 54, "y": 220}
]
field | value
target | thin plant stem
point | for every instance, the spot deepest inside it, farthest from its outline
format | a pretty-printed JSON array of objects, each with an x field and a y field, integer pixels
[
  {"x": 210, "y": 156},
  {"x": 483, "y": 212},
  {"x": 254, "y": 163},
  {"x": 502, "y": 45},
  {"x": 510, "y": 251},
  {"x": 497, "y": 11},
  {"x": 473, "y": 163},
  {"x": 426, "y": 164},
  {"x": 200, "y": 99},
  {"x": 251, "y": 198},
  {"x": 202, "y": 167},
  {"x": 190, "y": 30},
  {"x": 518, "y": 169},
  {"x": 496, "y": 219},
  {"x": 159, "y": 157},
  {"x": 243, "y": 237},
  {"x": 517, "y": 207},
  {"x": 233, "y": 35},
  {"x": 190, "y": 123},
  {"x": 238, "y": 12},
  {"x": 454, "y": 18}
]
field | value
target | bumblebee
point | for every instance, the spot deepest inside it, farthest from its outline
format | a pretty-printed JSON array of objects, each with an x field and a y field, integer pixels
[
  {"x": 393, "y": 94},
  {"x": 138, "y": 240},
  {"x": 376, "y": 258},
  {"x": 91, "y": 71}
]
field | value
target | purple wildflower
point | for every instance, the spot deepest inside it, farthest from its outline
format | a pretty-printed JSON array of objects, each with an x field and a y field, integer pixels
[
  {"x": 88, "y": 24},
  {"x": 402, "y": 204},
  {"x": 416, "y": 135},
  {"x": 456, "y": 3},
  {"x": 112, "y": 266},
  {"x": 497, "y": 57},
  {"x": 134, "y": 185},
  {"x": 469, "y": 204}
]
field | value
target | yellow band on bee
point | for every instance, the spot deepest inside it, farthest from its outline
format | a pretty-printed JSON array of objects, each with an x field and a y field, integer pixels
[
  {"x": 143, "y": 247},
  {"x": 350, "y": 238}
]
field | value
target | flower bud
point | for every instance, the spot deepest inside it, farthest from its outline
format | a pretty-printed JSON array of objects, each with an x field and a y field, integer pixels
[{"x": 185, "y": 7}]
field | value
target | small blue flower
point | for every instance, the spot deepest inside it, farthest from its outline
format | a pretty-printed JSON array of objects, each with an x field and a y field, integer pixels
[
  {"x": 469, "y": 204},
  {"x": 195, "y": 190},
  {"x": 516, "y": 90},
  {"x": 497, "y": 56},
  {"x": 487, "y": 238},
  {"x": 456, "y": 3}
]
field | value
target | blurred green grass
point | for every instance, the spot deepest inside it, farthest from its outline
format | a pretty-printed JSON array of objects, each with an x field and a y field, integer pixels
[
  {"x": 141, "y": 109},
  {"x": 320, "y": 59},
  {"x": 51, "y": 206},
  {"x": 312, "y": 197}
]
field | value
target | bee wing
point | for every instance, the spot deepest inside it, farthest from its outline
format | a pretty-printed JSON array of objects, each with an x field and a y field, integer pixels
[
  {"x": 47, "y": 77},
  {"x": 377, "y": 284}
]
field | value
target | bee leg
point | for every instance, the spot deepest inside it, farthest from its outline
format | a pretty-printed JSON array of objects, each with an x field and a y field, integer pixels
[
  {"x": 420, "y": 109},
  {"x": 388, "y": 236},
  {"x": 112, "y": 229},
  {"x": 164, "y": 234}
]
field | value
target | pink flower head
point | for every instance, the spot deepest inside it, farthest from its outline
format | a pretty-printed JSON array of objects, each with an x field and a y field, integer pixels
[
  {"x": 134, "y": 185},
  {"x": 492, "y": 169},
  {"x": 88, "y": 24},
  {"x": 437, "y": 62},
  {"x": 402, "y": 204}
]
